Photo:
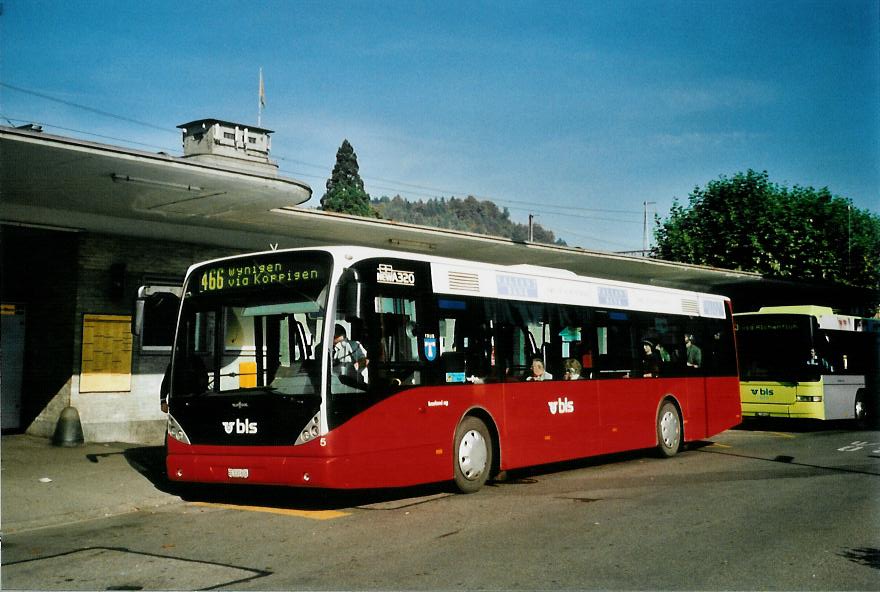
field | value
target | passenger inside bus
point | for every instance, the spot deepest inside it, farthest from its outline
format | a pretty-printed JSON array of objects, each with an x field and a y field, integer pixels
[
  {"x": 650, "y": 360},
  {"x": 572, "y": 369},
  {"x": 538, "y": 372},
  {"x": 694, "y": 353},
  {"x": 663, "y": 353}
]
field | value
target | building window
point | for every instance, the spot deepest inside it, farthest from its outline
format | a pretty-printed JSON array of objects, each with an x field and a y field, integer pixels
[
  {"x": 229, "y": 135},
  {"x": 252, "y": 139}
]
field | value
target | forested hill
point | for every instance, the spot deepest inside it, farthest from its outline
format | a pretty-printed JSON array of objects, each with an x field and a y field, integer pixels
[{"x": 469, "y": 214}]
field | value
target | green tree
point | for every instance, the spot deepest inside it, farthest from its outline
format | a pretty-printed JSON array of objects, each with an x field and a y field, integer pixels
[
  {"x": 751, "y": 224},
  {"x": 469, "y": 215},
  {"x": 345, "y": 188}
]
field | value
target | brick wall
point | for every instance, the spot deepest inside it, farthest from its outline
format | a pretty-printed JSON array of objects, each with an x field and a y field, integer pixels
[
  {"x": 110, "y": 270},
  {"x": 59, "y": 277}
]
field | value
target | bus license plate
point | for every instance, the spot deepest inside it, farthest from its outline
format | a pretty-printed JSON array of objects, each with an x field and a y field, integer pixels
[{"x": 238, "y": 473}]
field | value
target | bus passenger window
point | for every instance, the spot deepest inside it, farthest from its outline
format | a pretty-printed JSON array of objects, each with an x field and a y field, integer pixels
[
  {"x": 514, "y": 349},
  {"x": 397, "y": 359},
  {"x": 614, "y": 345},
  {"x": 572, "y": 347}
]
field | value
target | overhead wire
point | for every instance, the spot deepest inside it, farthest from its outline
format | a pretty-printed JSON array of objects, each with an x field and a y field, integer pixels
[
  {"x": 93, "y": 134},
  {"x": 437, "y": 192},
  {"x": 568, "y": 231},
  {"x": 85, "y": 107},
  {"x": 397, "y": 186}
]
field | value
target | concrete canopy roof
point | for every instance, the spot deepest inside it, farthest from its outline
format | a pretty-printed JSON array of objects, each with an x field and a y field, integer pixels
[
  {"x": 317, "y": 226},
  {"x": 66, "y": 174},
  {"x": 72, "y": 184}
]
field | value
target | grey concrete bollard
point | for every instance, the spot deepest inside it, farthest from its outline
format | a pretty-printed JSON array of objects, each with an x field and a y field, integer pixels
[{"x": 68, "y": 431}]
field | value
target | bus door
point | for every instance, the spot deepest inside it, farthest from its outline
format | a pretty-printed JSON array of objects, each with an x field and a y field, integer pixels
[
  {"x": 841, "y": 357},
  {"x": 552, "y": 419},
  {"x": 627, "y": 401},
  {"x": 470, "y": 361},
  {"x": 569, "y": 354},
  {"x": 721, "y": 378},
  {"x": 391, "y": 333}
]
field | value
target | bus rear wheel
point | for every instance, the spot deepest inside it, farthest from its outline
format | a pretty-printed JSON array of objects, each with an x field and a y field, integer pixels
[
  {"x": 668, "y": 430},
  {"x": 473, "y": 455}
]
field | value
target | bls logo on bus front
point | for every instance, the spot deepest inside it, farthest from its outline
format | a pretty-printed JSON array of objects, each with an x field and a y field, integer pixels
[
  {"x": 762, "y": 392},
  {"x": 240, "y": 427},
  {"x": 561, "y": 406}
]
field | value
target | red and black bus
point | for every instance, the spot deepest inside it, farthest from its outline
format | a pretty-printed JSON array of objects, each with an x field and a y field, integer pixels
[{"x": 348, "y": 367}]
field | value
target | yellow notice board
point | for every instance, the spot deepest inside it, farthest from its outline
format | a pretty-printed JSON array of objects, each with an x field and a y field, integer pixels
[{"x": 106, "y": 354}]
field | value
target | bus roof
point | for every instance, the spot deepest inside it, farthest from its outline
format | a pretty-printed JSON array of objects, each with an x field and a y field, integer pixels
[
  {"x": 824, "y": 315},
  {"x": 533, "y": 283},
  {"x": 803, "y": 309}
]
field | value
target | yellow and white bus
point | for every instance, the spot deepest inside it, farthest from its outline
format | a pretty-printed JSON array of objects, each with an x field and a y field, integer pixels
[{"x": 806, "y": 362}]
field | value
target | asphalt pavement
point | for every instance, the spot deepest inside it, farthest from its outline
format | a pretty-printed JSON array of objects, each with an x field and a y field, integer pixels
[{"x": 43, "y": 485}]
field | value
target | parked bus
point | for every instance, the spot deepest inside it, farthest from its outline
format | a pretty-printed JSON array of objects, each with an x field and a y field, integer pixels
[
  {"x": 348, "y": 367},
  {"x": 805, "y": 362}
]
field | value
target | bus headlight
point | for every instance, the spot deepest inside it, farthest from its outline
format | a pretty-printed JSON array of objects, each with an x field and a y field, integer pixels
[
  {"x": 311, "y": 431},
  {"x": 175, "y": 431},
  {"x": 808, "y": 399}
]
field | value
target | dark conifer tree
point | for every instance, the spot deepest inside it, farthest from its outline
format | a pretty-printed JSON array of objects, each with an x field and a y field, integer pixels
[{"x": 345, "y": 188}]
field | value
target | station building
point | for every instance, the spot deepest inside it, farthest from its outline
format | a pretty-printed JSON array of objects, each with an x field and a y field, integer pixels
[{"x": 83, "y": 225}]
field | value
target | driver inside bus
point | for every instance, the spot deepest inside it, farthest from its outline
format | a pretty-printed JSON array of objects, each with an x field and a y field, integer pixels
[
  {"x": 816, "y": 360},
  {"x": 349, "y": 356},
  {"x": 191, "y": 379}
]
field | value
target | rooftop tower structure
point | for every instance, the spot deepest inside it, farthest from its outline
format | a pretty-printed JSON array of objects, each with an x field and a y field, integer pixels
[{"x": 227, "y": 144}]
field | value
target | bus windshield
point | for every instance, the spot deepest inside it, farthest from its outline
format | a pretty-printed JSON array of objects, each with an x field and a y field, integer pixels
[
  {"x": 775, "y": 347},
  {"x": 251, "y": 325}
]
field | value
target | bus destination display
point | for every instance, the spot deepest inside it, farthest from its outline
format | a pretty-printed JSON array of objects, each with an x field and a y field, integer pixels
[{"x": 257, "y": 275}]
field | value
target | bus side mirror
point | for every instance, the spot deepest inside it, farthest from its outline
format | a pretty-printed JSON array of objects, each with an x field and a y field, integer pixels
[
  {"x": 350, "y": 294},
  {"x": 150, "y": 300}
]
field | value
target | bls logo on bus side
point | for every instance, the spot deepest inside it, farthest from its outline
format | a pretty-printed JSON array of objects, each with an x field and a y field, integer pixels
[
  {"x": 240, "y": 427},
  {"x": 561, "y": 406}
]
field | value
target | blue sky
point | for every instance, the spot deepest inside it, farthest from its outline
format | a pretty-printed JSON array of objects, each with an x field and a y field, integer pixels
[{"x": 578, "y": 112}]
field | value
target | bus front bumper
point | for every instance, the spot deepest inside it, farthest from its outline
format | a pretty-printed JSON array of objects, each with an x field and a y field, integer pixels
[
  {"x": 798, "y": 410},
  {"x": 255, "y": 470}
]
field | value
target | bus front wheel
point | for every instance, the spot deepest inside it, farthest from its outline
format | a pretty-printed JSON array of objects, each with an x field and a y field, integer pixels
[
  {"x": 668, "y": 430},
  {"x": 473, "y": 455}
]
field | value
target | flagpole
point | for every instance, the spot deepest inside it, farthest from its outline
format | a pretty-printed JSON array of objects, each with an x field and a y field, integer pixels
[{"x": 260, "y": 101}]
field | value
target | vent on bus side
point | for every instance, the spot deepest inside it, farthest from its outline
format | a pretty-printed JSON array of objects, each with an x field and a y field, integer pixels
[
  {"x": 690, "y": 307},
  {"x": 467, "y": 282}
]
